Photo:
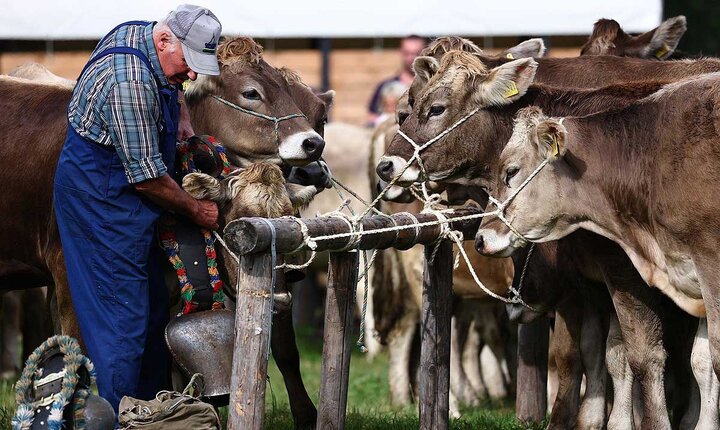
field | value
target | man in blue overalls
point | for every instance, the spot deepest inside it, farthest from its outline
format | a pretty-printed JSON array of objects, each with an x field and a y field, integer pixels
[{"x": 113, "y": 180}]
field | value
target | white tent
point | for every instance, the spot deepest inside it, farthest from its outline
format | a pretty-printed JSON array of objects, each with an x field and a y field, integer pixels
[{"x": 84, "y": 19}]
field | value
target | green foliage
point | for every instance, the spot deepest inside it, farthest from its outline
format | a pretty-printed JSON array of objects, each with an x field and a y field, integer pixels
[{"x": 368, "y": 397}]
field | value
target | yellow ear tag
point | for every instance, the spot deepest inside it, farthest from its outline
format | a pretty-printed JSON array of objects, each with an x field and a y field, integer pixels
[
  {"x": 554, "y": 145},
  {"x": 511, "y": 90},
  {"x": 509, "y": 56},
  {"x": 662, "y": 51},
  {"x": 186, "y": 85}
]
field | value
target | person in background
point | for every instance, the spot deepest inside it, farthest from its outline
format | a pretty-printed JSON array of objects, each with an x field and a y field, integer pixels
[{"x": 410, "y": 48}]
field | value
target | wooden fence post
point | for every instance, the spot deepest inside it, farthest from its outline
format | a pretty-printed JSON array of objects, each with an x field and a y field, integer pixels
[
  {"x": 434, "y": 383},
  {"x": 253, "y": 317},
  {"x": 337, "y": 340},
  {"x": 531, "y": 396}
]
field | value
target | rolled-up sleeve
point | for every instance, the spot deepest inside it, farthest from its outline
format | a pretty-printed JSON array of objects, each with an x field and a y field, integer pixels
[{"x": 132, "y": 113}]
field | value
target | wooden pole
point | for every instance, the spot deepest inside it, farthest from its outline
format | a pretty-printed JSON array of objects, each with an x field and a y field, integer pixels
[
  {"x": 252, "y": 336},
  {"x": 252, "y": 235},
  {"x": 337, "y": 340},
  {"x": 434, "y": 383},
  {"x": 531, "y": 400}
]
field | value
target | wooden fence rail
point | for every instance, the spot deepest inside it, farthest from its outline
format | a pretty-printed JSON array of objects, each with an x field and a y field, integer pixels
[{"x": 251, "y": 238}]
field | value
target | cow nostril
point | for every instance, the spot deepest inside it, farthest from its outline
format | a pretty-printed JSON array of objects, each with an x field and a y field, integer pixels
[
  {"x": 384, "y": 170},
  {"x": 479, "y": 243},
  {"x": 313, "y": 147}
]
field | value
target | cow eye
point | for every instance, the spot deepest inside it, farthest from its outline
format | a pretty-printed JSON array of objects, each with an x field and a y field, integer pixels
[
  {"x": 402, "y": 116},
  {"x": 436, "y": 110},
  {"x": 251, "y": 94},
  {"x": 509, "y": 174}
]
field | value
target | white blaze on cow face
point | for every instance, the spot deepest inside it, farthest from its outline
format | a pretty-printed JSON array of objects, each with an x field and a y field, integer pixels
[
  {"x": 394, "y": 166},
  {"x": 301, "y": 148},
  {"x": 536, "y": 211}
]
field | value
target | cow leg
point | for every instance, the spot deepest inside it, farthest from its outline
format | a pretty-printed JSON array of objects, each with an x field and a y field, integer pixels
[
  {"x": 10, "y": 324},
  {"x": 592, "y": 346},
  {"x": 471, "y": 358},
  {"x": 707, "y": 381},
  {"x": 621, "y": 416},
  {"x": 709, "y": 274},
  {"x": 399, "y": 350},
  {"x": 493, "y": 357},
  {"x": 66, "y": 312},
  {"x": 459, "y": 383},
  {"x": 566, "y": 349},
  {"x": 36, "y": 327},
  {"x": 552, "y": 384},
  {"x": 287, "y": 358},
  {"x": 637, "y": 308},
  {"x": 680, "y": 329}
]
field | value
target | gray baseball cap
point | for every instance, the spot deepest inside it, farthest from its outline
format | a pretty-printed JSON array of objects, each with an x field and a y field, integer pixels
[{"x": 199, "y": 31}]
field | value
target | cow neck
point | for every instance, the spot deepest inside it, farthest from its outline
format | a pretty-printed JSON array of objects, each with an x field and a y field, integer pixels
[{"x": 611, "y": 160}]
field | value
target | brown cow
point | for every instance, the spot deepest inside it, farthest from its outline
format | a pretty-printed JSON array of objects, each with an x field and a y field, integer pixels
[
  {"x": 630, "y": 161},
  {"x": 470, "y": 160},
  {"x": 397, "y": 284},
  {"x": 608, "y": 38}
]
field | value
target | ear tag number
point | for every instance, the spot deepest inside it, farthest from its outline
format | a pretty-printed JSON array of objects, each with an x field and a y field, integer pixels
[
  {"x": 511, "y": 90},
  {"x": 554, "y": 145},
  {"x": 509, "y": 56},
  {"x": 660, "y": 53}
]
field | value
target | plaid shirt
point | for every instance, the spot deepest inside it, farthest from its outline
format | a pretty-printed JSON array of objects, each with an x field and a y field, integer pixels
[{"x": 116, "y": 102}]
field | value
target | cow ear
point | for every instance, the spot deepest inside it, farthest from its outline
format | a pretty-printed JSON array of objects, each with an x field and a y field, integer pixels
[
  {"x": 551, "y": 138},
  {"x": 666, "y": 38},
  {"x": 425, "y": 68},
  {"x": 506, "y": 83},
  {"x": 204, "y": 85},
  {"x": 531, "y": 48},
  {"x": 328, "y": 97},
  {"x": 205, "y": 187}
]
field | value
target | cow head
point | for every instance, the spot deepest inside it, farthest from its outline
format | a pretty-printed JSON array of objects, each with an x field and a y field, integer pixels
[
  {"x": 536, "y": 210},
  {"x": 259, "y": 190},
  {"x": 249, "y": 82},
  {"x": 457, "y": 84},
  {"x": 608, "y": 38}
]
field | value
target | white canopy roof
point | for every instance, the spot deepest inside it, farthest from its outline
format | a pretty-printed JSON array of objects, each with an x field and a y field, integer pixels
[{"x": 84, "y": 19}]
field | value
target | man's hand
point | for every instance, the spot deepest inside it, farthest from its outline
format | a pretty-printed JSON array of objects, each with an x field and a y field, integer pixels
[
  {"x": 206, "y": 214},
  {"x": 168, "y": 195},
  {"x": 185, "y": 128}
]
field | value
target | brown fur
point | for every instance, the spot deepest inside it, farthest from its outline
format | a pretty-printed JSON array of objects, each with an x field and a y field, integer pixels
[
  {"x": 608, "y": 38},
  {"x": 239, "y": 49},
  {"x": 438, "y": 47}
]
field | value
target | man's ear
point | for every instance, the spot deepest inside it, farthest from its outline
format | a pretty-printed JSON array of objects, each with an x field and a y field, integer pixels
[
  {"x": 328, "y": 97},
  {"x": 425, "y": 68},
  {"x": 551, "y": 138},
  {"x": 666, "y": 37},
  {"x": 531, "y": 48},
  {"x": 506, "y": 83}
]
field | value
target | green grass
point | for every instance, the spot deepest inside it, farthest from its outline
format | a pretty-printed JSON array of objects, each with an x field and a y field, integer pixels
[{"x": 368, "y": 397}]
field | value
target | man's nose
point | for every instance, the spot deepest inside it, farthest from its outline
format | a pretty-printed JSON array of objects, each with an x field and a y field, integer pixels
[{"x": 192, "y": 75}]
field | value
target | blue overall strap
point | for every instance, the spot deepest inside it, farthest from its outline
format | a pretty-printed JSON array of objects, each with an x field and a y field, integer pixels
[
  {"x": 136, "y": 22},
  {"x": 122, "y": 50}
]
